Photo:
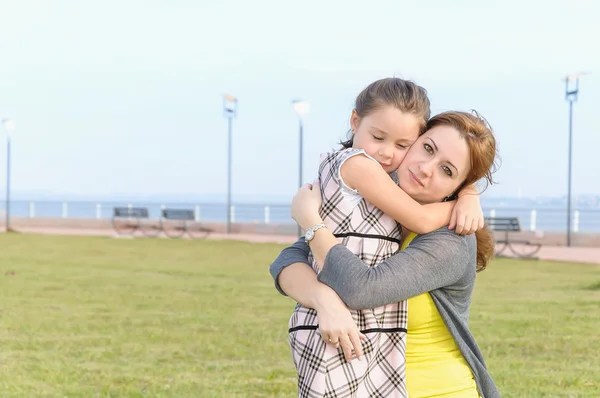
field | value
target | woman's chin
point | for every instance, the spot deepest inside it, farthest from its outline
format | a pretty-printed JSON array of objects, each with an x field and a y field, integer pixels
[
  {"x": 418, "y": 196},
  {"x": 410, "y": 190}
]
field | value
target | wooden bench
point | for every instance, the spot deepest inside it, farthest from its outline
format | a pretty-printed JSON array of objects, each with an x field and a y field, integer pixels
[
  {"x": 508, "y": 225},
  {"x": 127, "y": 220},
  {"x": 178, "y": 222}
]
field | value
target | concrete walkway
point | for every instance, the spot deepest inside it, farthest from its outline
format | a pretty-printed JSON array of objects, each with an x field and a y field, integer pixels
[{"x": 590, "y": 255}]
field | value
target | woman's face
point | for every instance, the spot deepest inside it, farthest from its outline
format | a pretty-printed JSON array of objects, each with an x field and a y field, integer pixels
[
  {"x": 435, "y": 166},
  {"x": 385, "y": 134}
]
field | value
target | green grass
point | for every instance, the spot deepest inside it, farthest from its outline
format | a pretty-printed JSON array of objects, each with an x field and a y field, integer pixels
[{"x": 100, "y": 317}]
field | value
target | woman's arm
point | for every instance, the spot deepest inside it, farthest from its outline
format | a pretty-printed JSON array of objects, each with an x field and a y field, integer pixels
[
  {"x": 375, "y": 185},
  {"x": 298, "y": 280},
  {"x": 432, "y": 261},
  {"x": 294, "y": 276},
  {"x": 296, "y": 253}
]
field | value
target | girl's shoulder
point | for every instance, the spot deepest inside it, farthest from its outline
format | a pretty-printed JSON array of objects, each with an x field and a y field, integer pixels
[
  {"x": 342, "y": 154},
  {"x": 330, "y": 176},
  {"x": 334, "y": 160}
]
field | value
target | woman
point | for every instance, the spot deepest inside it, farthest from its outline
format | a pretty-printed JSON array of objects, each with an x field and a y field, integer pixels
[{"x": 436, "y": 273}]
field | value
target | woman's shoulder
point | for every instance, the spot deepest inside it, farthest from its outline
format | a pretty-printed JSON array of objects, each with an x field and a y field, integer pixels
[
  {"x": 459, "y": 254},
  {"x": 450, "y": 235},
  {"x": 461, "y": 249}
]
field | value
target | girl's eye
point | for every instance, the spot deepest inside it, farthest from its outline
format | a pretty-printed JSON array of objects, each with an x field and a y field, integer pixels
[
  {"x": 428, "y": 148},
  {"x": 447, "y": 171},
  {"x": 378, "y": 138},
  {"x": 402, "y": 146}
]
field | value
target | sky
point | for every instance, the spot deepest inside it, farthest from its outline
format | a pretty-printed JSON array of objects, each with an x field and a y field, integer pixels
[{"x": 124, "y": 98}]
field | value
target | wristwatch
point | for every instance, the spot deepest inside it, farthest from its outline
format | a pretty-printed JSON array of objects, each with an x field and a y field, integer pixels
[{"x": 310, "y": 232}]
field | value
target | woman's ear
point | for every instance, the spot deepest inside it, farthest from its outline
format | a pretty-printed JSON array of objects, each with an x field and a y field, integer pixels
[
  {"x": 454, "y": 196},
  {"x": 449, "y": 198}
]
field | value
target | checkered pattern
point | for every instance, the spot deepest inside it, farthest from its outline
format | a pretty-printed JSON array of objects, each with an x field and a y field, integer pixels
[{"x": 322, "y": 369}]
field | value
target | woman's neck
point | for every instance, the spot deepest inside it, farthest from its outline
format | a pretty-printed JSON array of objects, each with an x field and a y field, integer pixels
[{"x": 405, "y": 233}]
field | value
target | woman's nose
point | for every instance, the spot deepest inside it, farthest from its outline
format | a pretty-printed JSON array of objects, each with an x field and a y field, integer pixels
[{"x": 426, "y": 168}]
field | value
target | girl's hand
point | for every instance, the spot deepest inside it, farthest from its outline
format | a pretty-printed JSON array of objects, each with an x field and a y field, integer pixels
[
  {"x": 467, "y": 215},
  {"x": 306, "y": 205}
]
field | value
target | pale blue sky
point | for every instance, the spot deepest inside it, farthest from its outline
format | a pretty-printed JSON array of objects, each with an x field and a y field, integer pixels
[{"x": 124, "y": 97}]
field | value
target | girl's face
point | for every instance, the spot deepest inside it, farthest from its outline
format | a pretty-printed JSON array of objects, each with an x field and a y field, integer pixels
[
  {"x": 436, "y": 165},
  {"x": 385, "y": 134}
]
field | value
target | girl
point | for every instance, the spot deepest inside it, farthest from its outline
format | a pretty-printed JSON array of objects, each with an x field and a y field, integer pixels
[{"x": 362, "y": 206}]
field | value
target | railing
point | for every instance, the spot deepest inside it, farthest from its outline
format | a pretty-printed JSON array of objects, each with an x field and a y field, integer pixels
[
  {"x": 245, "y": 213},
  {"x": 539, "y": 219},
  {"x": 550, "y": 219}
]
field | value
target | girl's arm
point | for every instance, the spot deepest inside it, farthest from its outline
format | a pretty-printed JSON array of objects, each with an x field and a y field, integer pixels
[
  {"x": 467, "y": 215},
  {"x": 305, "y": 210},
  {"x": 375, "y": 185}
]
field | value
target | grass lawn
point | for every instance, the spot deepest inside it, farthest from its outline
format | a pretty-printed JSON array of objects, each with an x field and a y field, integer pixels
[{"x": 101, "y": 317}]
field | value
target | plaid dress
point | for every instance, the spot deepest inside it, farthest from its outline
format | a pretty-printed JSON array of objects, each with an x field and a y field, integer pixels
[{"x": 373, "y": 236}]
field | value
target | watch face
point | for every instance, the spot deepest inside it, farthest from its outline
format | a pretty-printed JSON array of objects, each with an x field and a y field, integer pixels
[{"x": 309, "y": 234}]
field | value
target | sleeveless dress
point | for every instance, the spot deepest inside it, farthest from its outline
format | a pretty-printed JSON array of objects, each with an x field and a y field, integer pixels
[{"x": 373, "y": 237}]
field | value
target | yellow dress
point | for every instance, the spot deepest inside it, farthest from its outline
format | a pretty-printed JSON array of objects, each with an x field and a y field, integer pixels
[{"x": 435, "y": 366}]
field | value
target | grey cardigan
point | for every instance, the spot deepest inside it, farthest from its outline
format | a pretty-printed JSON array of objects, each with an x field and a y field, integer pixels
[{"x": 441, "y": 263}]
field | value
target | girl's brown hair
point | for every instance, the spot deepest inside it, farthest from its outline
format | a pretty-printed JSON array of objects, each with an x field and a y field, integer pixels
[{"x": 404, "y": 95}]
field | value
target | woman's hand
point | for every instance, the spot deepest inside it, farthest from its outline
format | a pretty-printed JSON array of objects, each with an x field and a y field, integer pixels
[
  {"x": 337, "y": 327},
  {"x": 306, "y": 205}
]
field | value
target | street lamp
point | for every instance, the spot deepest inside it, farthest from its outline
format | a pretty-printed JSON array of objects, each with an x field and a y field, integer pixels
[
  {"x": 229, "y": 110},
  {"x": 301, "y": 108},
  {"x": 9, "y": 126},
  {"x": 571, "y": 93}
]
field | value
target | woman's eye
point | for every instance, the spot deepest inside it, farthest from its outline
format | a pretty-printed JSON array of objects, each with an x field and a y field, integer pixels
[
  {"x": 428, "y": 148},
  {"x": 447, "y": 170},
  {"x": 401, "y": 146}
]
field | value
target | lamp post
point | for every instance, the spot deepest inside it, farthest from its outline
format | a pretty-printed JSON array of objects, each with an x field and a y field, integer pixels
[
  {"x": 571, "y": 93},
  {"x": 9, "y": 126},
  {"x": 301, "y": 108},
  {"x": 230, "y": 111}
]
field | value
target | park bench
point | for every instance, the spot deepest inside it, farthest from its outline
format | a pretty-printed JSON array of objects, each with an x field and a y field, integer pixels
[
  {"x": 178, "y": 222},
  {"x": 507, "y": 225},
  {"x": 127, "y": 220}
]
